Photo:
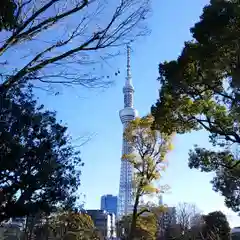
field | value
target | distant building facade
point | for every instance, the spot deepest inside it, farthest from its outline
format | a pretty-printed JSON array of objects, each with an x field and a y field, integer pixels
[
  {"x": 196, "y": 220},
  {"x": 109, "y": 203},
  {"x": 235, "y": 233},
  {"x": 166, "y": 219},
  {"x": 105, "y": 222},
  {"x": 169, "y": 217},
  {"x": 12, "y": 229},
  {"x": 160, "y": 200}
]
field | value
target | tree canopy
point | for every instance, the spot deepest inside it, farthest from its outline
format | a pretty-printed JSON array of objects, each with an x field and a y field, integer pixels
[
  {"x": 7, "y": 15},
  {"x": 216, "y": 223},
  {"x": 39, "y": 168},
  {"x": 73, "y": 226},
  {"x": 149, "y": 148},
  {"x": 200, "y": 90},
  {"x": 146, "y": 227},
  {"x": 67, "y": 226}
]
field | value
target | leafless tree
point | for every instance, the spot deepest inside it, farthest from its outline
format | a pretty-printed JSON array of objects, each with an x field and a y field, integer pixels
[
  {"x": 185, "y": 212},
  {"x": 55, "y": 41}
]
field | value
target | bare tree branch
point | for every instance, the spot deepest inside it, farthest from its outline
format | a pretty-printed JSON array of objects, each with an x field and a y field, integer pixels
[
  {"x": 185, "y": 213},
  {"x": 93, "y": 27}
]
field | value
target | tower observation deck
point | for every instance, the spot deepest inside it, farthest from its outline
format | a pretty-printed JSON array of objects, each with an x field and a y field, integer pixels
[{"x": 127, "y": 114}]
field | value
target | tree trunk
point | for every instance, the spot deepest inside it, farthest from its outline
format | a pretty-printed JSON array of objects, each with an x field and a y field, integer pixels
[{"x": 134, "y": 217}]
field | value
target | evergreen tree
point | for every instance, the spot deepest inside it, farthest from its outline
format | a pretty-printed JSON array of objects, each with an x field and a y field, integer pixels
[
  {"x": 201, "y": 90},
  {"x": 7, "y": 14},
  {"x": 216, "y": 224},
  {"x": 39, "y": 168}
]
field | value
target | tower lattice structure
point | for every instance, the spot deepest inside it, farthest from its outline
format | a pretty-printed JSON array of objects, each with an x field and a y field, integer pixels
[{"x": 127, "y": 114}]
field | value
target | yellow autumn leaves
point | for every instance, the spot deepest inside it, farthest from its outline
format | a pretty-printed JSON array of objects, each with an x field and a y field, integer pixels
[{"x": 149, "y": 148}]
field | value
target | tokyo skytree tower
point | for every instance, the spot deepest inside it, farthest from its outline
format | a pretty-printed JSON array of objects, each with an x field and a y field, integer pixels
[{"x": 127, "y": 114}]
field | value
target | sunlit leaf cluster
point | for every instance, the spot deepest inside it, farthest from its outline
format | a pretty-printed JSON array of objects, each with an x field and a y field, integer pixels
[
  {"x": 146, "y": 227},
  {"x": 69, "y": 226},
  {"x": 149, "y": 148},
  {"x": 148, "y": 156}
]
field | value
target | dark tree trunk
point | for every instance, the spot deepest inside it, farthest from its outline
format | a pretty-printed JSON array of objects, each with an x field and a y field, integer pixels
[{"x": 134, "y": 218}]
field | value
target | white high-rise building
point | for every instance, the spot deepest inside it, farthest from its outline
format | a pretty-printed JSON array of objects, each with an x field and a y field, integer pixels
[
  {"x": 160, "y": 200},
  {"x": 127, "y": 114}
]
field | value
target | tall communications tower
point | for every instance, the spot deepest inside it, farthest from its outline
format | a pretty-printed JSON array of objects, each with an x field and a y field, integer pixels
[{"x": 127, "y": 114}]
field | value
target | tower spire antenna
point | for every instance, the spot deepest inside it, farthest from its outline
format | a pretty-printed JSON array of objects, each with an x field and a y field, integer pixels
[
  {"x": 129, "y": 75},
  {"x": 128, "y": 61}
]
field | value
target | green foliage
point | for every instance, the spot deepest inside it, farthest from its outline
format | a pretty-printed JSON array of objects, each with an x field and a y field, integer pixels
[
  {"x": 173, "y": 232},
  {"x": 68, "y": 226},
  {"x": 39, "y": 167},
  {"x": 201, "y": 90},
  {"x": 227, "y": 169},
  {"x": 216, "y": 224},
  {"x": 148, "y": 153},
  {"x": 146, "y": 227},
  {"x": 7, "y": 14},
  {"x": 148, "y": 157},
  {"x": 214, "y": 227}
]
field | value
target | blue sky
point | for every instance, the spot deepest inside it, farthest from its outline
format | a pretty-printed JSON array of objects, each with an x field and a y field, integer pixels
[{"x": 96, "y": 112}]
